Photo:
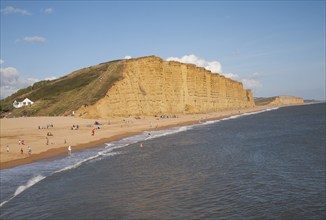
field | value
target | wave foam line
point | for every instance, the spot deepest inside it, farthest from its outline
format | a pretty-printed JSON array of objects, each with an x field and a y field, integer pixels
[
  {"x": 98, "y": 155},
  {"x": 77, "y": 164},
  {"x": 38, "y": 178},
  {"x": 237, "y": 116},
  {"x": 21, "y": 189},
  {"x": 169, "y": 132}
]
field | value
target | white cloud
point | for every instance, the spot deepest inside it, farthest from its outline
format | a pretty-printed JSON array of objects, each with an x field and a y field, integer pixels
[
  {"x": 231, "y": 76},
  {"x": 12, "y": 10},
  {"x": 51, "y": 78},
  {"x": 127, "y": 57},
  {"x": 251, "y": 83},
  {"x": 34, "y": 39},
  {"x": 48, "y": 10},
  {"x": 2, "y": 61},
  {"x": 8, "y": 74},
  {"x": 11, "y": 81},
  {"x": 213, "y": 66},
  {"x": 216, "y": 67}
]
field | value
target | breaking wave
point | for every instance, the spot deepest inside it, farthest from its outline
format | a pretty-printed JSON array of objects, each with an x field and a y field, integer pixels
[{"x": 22, "y": 188}]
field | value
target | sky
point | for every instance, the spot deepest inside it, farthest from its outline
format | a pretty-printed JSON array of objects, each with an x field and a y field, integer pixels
[{"x": 272, "y": 47}]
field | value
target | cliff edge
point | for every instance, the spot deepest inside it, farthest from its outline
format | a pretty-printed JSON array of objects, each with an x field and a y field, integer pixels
[
  {"x": 141, "y": 86},
  {"x": 151, "y": 86}
]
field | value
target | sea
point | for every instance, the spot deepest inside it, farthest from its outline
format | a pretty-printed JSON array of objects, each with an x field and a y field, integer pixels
[{"x": 264, "y": 165}]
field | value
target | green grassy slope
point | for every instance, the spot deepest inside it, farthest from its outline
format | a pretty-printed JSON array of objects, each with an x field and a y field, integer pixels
[
  {"x": 264, "y": 101},
  {"x": 68, "y": 93}
]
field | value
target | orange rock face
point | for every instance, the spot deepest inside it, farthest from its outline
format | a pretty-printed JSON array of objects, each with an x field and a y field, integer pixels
[{"x": 151, "y": 86}]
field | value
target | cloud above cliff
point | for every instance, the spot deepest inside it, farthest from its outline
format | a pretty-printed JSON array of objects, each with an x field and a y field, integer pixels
[
  {"x": 250, "y": 82},
  {"x": 11, "y": 81},
  {"x": 213, "y": 66},
  {"x": 231, "y": 76}
]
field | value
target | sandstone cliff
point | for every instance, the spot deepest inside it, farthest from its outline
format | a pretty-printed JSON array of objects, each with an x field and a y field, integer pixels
[
  {"x": 286, "y": 100},
  {"x": 151, "y": 86}
]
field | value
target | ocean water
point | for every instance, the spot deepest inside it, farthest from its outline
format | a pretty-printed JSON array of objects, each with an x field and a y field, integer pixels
[{"x": 266, "y": 165}]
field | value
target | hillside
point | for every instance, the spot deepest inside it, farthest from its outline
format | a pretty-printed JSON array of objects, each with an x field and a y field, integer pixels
[
  {"x": 63, "y": 95},
  {"x": 142, "y": 86}
]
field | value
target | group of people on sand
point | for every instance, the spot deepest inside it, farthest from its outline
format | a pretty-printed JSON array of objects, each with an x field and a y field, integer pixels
[
  {"x": 47, "y": 126},
  {"x": 21, "y": 142},
  {"x": 74, "y": 127},
  {"x": 29, "y": 150},
  {"x": 167, "y": 116}
]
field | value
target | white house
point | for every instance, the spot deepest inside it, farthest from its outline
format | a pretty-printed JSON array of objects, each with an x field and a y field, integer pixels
[{"x": 22, "y": 102}]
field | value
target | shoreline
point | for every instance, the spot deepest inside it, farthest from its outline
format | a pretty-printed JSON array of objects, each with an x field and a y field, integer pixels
[{"x": 121, "y": 132}]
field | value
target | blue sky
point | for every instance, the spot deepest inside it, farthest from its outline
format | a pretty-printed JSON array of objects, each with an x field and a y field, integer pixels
[{"x": 273, "y": 47}]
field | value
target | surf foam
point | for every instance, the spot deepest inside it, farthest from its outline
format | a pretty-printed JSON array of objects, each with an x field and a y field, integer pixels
[{"x": 22, "y": 188}]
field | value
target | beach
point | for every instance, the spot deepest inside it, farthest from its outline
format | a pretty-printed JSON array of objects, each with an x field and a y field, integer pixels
[
  {"x": 249, "y": 165},
  {"x": 50, "y": 136}
]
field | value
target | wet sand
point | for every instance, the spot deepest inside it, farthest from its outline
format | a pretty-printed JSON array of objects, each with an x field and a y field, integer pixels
[{"x": 33, "y": 131}]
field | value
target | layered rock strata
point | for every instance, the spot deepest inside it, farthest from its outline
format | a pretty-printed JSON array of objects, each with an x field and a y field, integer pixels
[{"x": 151, "y": 86}]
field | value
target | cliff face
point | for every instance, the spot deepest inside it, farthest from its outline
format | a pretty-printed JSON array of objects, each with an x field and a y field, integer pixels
[
  {"x": 152, "y": 86},
  {"x": 286, "y": 100}
]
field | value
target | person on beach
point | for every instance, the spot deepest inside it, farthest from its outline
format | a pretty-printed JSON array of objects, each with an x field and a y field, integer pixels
[
  {"x": 21, "y": 151},
  {"x": 93, "y": 132},
  {"x": 47, "y": 141},
  {"x": 29, "y": 150},
  {"x": 7, "y": 149},
  {"x": 69, "y": 151}
]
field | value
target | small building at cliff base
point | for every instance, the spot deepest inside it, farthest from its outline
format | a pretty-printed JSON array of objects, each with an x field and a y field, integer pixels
[{"x": 20, "y": 102}]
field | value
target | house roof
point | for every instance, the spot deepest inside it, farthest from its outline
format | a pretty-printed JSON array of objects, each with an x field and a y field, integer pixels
[
  {"x": 19, "y": 99},
  {"x": 22, "y": 99}
]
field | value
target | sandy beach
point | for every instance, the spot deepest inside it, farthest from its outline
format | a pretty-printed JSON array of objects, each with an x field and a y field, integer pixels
[{"x": 50, "y": 136}]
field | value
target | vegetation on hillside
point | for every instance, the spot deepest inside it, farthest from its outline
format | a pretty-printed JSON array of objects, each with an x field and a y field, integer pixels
[
  {"x": 263, "y": 101},
  {"x": 66, "y": 94}
]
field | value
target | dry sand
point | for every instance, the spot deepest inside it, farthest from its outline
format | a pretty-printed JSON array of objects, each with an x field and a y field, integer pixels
[{"x": 27, "y": 129}]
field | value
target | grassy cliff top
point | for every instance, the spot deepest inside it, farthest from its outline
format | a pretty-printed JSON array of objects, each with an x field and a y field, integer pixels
[{"x": 68, "y": 93}]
